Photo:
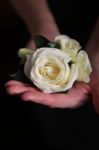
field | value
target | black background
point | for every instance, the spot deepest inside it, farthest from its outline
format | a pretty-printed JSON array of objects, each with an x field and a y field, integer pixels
[{"x": 28, "y": 125}]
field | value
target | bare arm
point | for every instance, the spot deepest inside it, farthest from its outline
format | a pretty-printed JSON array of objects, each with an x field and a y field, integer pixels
[
  {"x": 93, "y": 51},
  {"x": 37, "y": 17},
  {"x": 93, "y": 48}
]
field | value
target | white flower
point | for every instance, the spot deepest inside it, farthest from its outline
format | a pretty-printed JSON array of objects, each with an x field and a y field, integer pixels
[
  {"x": 84, "y": 66},
  {"x": 68, "y": 45},
  {"x": 56, "y": 70},
  {"x": 50, "y": 71}
]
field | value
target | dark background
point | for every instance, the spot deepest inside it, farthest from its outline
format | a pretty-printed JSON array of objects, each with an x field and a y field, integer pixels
[{"x": 28, "y": 125}]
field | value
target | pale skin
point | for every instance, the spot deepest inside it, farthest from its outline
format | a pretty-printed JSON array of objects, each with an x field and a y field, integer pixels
[{"x": 39, "y": 20}]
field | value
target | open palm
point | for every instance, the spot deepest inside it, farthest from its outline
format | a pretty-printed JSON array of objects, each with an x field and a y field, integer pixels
[{"x": 75, "y": 96}]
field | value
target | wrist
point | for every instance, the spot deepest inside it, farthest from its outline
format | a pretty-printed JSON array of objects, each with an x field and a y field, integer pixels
[{"x": 47, "y": 29}]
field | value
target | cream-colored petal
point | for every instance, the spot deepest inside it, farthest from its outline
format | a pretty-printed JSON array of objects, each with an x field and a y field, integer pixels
[
  {"x": 62, "y": 40},
  {"x": 72, "y": 78},
  {"x": 84, "y": 66},
  {"x": 49, "y": 51},
  {"x": 25, "y": 51},
  {"x": 68, "y": 45},
  {"x": 50, "y": 70}
]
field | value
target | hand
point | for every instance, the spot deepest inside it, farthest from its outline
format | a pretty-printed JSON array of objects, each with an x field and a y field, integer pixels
[{"x": 74, "y": 98}]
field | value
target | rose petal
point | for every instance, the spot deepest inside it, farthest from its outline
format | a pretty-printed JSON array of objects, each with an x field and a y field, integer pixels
[{"x": 84, "y": 66}]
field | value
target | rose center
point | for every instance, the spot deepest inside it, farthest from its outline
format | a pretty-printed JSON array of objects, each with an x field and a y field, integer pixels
[{"x": 51, "y": 70}]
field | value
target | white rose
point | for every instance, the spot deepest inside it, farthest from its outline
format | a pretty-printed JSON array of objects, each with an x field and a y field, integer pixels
[
  {"x": 68, "y": 45},
  {"x": 84, "y": 66},
  {"x": 50, "y": 71}
]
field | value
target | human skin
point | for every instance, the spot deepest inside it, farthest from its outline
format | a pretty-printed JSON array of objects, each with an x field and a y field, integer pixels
[{"x": 39, "y": 20}]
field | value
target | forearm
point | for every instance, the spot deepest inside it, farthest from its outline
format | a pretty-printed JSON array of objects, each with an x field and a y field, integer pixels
[
  {"x": 93, "y": 48},
  {"x": 37, "y": 17}
]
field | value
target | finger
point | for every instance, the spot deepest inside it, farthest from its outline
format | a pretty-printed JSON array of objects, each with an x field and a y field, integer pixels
[
  {"x": 53, "y": 100},
  {"x": 13, "y": 82},
  {"x": 42, "y": 98},
  {"x": 16, "y": 89}
]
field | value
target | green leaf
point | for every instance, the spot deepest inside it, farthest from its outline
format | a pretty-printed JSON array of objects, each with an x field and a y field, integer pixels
[
  {"x": 70, "y": 63},
  {"x": 40, "y": 41},
  {"x": 53, "y": 45},
  {"x": 19, "y": 76}
]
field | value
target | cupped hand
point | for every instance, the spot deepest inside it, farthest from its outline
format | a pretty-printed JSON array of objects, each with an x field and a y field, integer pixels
[{"x": 75, "y": 97}]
